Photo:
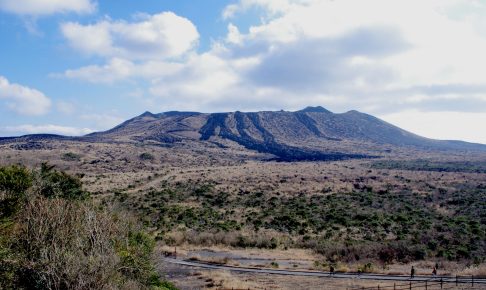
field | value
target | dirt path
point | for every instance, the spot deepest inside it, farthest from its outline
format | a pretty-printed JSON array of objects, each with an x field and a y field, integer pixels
[{"x": 377, "y": 277}]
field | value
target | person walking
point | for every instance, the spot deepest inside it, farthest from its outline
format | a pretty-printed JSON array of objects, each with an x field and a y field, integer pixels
[
  {"x": 412, "y": 272},
  {"x": 434, "y": 272}
]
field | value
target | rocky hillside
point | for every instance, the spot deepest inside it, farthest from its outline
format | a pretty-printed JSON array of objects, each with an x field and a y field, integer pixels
[{"x": 313, "y": 133}]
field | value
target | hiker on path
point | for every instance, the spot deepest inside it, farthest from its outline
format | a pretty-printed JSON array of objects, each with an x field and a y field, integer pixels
[
  {"x": 412, "y": 272},
  {"x": 434, "y": 271}
]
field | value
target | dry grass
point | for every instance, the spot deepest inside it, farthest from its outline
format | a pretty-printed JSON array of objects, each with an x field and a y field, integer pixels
[
  {"x": 110, "y": 168},
  {"x": 209, "y": 260},
  {"x": 474, "y": 271}
]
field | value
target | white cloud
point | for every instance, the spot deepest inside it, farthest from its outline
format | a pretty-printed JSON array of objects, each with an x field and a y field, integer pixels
[
  {"x": 23, "y": 100},
  {"x": 441, "y": 125},
  {"x": 206, "y": 75},
  {"x": 118, "y": 69},
  {"x": 234, "y": 35},
  {"x": 45, "y": 129},
  {"x": 47, "y": 7},
  {"x": 272, "y": 7},
  {"x": 373, "y": 54},
  {"x": 377, "y": 56},
  {"x": 151, "y": 37}
]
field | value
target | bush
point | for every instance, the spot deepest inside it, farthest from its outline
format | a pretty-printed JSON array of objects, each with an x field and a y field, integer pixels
[
  {"x": 58, "y": 239},
  {"x": 146, "y": 156},
  {"x": 14, "y": 182},
  {"x": 366, "y": 268},
  {"x": 65, "y": 245},
  {"x": 71, "y": 157},
  {"x": 52, "y": 183}
]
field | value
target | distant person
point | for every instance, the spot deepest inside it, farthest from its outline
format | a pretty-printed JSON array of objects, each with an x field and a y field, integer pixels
[
  {"x": 434, "y": 271},
  {"x": 331, "y": 269},
  {"x": 412, "y": 272},
  {"x": 437, "y": 265}
]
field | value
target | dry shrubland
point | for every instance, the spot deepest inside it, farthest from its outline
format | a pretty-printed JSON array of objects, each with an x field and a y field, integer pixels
[
  {"x": 53, "y": 236},
  {"x": 420, "y": 205}
]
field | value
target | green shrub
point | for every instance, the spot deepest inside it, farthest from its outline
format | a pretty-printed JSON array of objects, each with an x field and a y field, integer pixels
[
  {"x": 135, "y": 251},
  {"x": 146, "y": 156},
  {"x": 14, "y": 183},
  {"x": 70, "y": 156},
  {"x": 51, "y": 183}
]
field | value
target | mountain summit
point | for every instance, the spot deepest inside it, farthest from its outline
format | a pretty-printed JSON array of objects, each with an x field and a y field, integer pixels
[{"x": 317, "y": 109}]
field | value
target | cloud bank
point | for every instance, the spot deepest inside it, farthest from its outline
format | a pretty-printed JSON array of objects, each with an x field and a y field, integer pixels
[
  {"x": 341, "y": 54},
  {"x": 45, "y": 129},
  {"x": 23, "y": 100}
]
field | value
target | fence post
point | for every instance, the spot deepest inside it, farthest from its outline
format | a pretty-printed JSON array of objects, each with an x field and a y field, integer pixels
[
  {"x": 441, "y": 282},
  {"x": 394, "y": 286},
  {"x": 472, "y": 280},
  {"x": 456, "y": 280},
  {"x": 410, "y": 285},
  {"x": 425, "y": 284}
]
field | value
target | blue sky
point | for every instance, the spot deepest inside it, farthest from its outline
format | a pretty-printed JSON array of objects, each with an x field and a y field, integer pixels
[{"x": 76, "y": 66}]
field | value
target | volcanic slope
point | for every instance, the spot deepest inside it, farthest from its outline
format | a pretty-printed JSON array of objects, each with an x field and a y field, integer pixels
[{"x": 313, "y": 133}]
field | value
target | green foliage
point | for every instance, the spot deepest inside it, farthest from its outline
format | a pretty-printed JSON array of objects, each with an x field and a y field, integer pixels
[
  {"x": 203, "y": 218},
  {"x": 53, "y": 183},
  {"x": 384, "y": 226},
  {"x": 157, "y": 284},
  {"x": 14, "y": 182},
  {"x": 135, "y": 252}
]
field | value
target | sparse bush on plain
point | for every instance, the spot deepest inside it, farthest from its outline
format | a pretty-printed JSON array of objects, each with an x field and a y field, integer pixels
[
  {"x": 70, "y": 156},
  {"x": 385, "y": 226},
  {"x": 146, "y": 156}
]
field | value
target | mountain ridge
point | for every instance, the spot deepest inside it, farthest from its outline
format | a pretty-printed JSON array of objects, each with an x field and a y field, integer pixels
[{"x": 313, "y": 133}]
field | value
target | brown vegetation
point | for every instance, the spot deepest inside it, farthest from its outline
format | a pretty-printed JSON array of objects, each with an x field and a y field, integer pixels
[{"x": 54, "y": 237}]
